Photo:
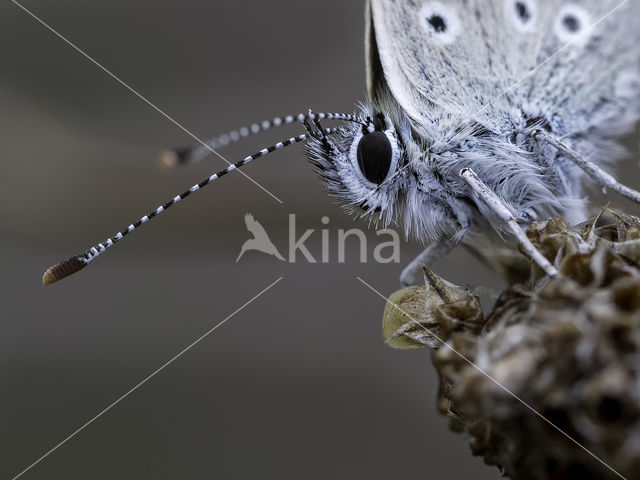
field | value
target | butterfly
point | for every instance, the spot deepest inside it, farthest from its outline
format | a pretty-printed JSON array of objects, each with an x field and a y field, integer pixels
[{"x": 480, "y": 115}]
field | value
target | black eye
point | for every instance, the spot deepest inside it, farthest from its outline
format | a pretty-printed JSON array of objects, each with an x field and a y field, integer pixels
[{"x": 374, "y": 156}]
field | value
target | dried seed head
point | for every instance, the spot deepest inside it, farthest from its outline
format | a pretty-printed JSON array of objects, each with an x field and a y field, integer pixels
[{"x": 568, "y": 347}]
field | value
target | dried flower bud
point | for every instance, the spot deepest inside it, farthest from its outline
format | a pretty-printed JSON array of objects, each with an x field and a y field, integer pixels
[{"x": 419, "y": 316}]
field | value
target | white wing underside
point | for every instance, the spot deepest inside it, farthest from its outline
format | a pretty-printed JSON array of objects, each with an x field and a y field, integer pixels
[{"x": 492, "y": 67}]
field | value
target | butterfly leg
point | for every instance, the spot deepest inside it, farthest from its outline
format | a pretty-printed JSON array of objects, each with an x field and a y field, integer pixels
[
  {"x": 428, "y": 257},
  {"x": 488, "y": 197},
  {"x": 597, "y": 174}
]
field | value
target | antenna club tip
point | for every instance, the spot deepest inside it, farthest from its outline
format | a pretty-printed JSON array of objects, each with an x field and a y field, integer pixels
[
  {"x": 170, "y": 159},
  {"x": 64, "y": 269}
]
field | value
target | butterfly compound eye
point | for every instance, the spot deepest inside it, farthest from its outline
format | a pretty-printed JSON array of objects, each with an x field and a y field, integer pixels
[{"x": 374, "y": 156}]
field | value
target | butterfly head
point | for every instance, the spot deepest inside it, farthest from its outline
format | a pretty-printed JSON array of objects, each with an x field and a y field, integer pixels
[
  {"x": 362, "y": 163},
  {"x": 379, "y": 167}
]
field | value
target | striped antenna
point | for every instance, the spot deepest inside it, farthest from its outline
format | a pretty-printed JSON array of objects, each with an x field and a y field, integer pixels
[
  {"x": 78, "y": 262},
  {"x": 186, "y": 156}
]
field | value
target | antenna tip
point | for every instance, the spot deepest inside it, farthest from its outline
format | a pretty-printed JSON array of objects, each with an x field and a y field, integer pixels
[
  {"x": 170, "y": 159},
  {"x": 64, "y": 269}
]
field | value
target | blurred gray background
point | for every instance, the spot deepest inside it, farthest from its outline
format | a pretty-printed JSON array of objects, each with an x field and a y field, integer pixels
[{"x": 297, "y": 385}]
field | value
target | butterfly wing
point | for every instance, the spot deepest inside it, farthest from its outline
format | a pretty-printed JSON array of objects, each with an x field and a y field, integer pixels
[{"x": 480, "y": 60}]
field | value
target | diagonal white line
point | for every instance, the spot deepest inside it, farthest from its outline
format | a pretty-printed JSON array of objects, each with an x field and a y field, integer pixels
[
  {"x": 498, "y": 383},
  {"x": 139, "y": 95},
  {"x": 146, "y": 379},
  {"x": 558, "y": 52}
]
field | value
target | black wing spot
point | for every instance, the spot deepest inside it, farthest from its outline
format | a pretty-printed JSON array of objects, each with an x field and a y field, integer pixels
[
  {"x": 571, "y": 23},
  {"x": 523, "y": 12},
  {"x": 438, "y": 23}
]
